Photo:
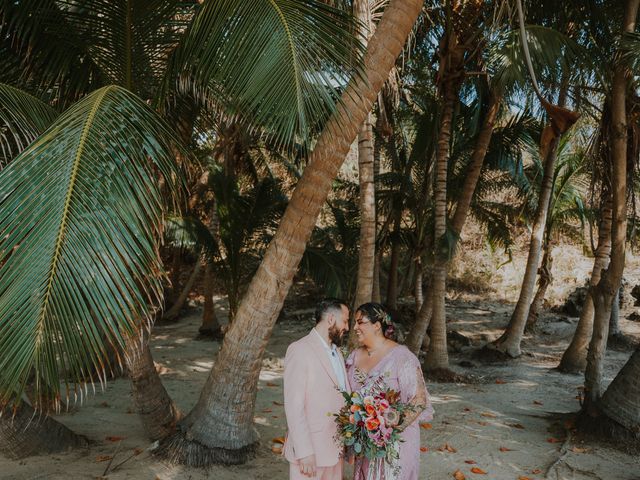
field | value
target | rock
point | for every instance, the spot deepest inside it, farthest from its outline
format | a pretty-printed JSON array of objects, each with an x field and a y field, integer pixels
[
  {"x": 635, "y": 293},
  {"x": 467, "y": 364},
  {"x": 627, "y": 299},
  {"x": 573, "y": 305},
  {"x": 634, "y": 317},
  {"x": 457, "y": 341}
]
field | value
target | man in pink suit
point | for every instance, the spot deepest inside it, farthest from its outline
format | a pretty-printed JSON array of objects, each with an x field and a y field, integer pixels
[{"x": 314, "y": 374}]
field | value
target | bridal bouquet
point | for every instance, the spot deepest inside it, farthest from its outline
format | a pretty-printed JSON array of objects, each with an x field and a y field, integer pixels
[{"x": 367, "y": 424}]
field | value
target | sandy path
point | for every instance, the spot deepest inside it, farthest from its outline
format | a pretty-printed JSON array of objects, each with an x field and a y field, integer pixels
[{"x": 519, "y": 412}]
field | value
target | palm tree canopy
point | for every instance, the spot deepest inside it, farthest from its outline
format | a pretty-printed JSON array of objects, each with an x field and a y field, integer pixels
[{"x": 278, "y": 64}]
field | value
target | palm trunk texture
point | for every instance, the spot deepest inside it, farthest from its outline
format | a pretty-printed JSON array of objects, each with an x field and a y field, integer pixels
[
  {"x": 367, "y": 252},
  {"x": 154, "y": 406},
  {"x": 25, "y": 432}
]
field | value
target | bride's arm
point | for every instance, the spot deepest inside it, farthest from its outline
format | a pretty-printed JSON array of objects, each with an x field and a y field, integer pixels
[{"x": 418, "y": 402}]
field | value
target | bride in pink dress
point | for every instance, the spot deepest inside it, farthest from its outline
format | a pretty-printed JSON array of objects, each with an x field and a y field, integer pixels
[{"x": 381, "y": 360}]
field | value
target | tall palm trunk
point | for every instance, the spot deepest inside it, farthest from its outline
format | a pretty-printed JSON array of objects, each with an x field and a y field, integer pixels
[
  {"x": 392, "y": 284},
  {"x": 220, "y": 427},
  {"x": 608, "y": 285},
  {"x": 154, "y": 406},
  {"x": 210, "y": 325},
  {"x": 456, "y": 42},
  {"x": 574, "y": 359},
  {"x": 367, "y": 252},
  {"x": 560, "y": 121},
  {"x": 438, "y": 356},
  {"x": 24, "y": 432}
]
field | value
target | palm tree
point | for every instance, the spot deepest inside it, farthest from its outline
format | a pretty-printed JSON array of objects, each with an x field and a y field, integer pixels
[
  {"x": 566, "y": 207},
  {"x": 458, "y": 39},
  {"x": 364, "y": 290},
  {"x": 110, "y": 148},
  {"x": 609, "y": 283},
  {"x": 560, "y": 120},
  {"x": 220, "y": 427}
]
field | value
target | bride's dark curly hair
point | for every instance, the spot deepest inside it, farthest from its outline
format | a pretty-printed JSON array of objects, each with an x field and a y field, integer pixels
[{"x": 376, "y": 313}]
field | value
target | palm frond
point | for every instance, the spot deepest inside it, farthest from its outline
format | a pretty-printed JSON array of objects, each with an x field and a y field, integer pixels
[
  {"x": 80, "y": 222},
  {"x": 325, "y": 268},
  {"x": 189, "y": 233},
  {"x": 22, "y": 118},
  {"x": 42, "y": 53},
  {"x": 551, "y": 53},
  {"x": 281, "y": 63},
  {"x": 129, "y": 41}
]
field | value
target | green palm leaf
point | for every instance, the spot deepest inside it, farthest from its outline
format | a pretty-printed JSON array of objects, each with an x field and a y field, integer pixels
[
  {"x": 22, "y": 119},
  {"x": 130, "y": 41},
  {"x": 280, "y": 63},
  {"x": 80, "y": 218}
]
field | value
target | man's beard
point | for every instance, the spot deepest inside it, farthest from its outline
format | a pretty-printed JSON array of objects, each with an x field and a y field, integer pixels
[{"x": 335, "y": 335}]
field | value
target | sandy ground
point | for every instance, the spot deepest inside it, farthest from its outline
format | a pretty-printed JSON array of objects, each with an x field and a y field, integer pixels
[{"x": 511, "y": 424}]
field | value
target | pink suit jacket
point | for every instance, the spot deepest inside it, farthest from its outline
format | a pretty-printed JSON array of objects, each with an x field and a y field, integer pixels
[{"x": 311, "y": 397}]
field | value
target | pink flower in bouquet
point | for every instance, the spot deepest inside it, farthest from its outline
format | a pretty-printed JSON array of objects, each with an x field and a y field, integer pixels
[
  {"x": 383, "y": 405},
  {"x": 352, "y": 419}
]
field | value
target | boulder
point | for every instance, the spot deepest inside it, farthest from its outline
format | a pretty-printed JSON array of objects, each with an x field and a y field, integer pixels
[{"x": 573, "y": 305}]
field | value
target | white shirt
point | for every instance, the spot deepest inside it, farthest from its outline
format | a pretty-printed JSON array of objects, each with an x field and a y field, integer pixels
[{"x": 336, "y": 362}]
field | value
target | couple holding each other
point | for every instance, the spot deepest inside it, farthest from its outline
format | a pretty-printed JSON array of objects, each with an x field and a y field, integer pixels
[{"x": 314, "y": 375}]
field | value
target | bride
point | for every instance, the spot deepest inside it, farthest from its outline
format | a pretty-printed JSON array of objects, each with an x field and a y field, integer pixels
[{"x": 381, "y": 362}]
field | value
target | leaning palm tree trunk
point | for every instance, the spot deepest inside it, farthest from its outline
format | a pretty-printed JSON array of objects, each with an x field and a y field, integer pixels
[
  {"x": 509, "y": 342},
  {"x": 220, "y": 427},
  {"x": 153, "y": 404},
  {"x": 560, "y": 121},
  {"x": 608, "y": 285},
  {"x": 24, "y": 432},
  {"x": 366, "y": 256}
]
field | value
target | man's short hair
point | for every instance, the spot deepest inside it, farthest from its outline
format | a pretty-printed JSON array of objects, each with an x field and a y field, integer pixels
[{"x": 329, "y": 305}]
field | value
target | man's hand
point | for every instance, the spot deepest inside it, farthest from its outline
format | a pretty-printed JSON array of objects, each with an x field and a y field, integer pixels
[{"x": 308, "y": 466}]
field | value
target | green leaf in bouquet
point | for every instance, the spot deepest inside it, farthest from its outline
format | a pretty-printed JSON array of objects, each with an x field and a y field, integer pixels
[{"x": 357, "y": 447}]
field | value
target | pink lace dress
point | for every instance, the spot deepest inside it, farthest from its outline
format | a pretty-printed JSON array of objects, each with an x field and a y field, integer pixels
[{"x": 400, "y": 370}]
